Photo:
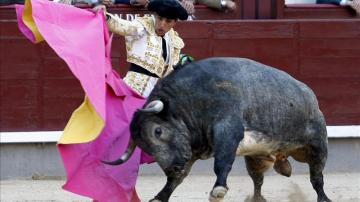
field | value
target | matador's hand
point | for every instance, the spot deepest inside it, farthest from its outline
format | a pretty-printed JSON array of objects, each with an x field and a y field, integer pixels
[
  {"x": 108, "y": 2},
  {"x": 189, "y": 6},
  {"x": 99, "y": 8},
  {"x": 139, "y": 2}
]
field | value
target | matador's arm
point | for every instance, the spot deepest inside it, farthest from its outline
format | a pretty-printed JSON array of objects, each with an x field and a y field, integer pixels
[{"x": 123, "y": 27}]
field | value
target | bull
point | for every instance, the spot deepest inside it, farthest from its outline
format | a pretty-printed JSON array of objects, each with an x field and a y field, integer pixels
[{"x": 223, "y": 107}]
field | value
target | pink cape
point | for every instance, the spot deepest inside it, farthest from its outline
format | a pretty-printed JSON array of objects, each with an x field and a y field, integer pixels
[{"x": 81, "y": 39}]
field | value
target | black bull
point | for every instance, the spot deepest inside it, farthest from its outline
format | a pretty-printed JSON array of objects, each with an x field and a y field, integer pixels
[{"x": 223, "y": 107}]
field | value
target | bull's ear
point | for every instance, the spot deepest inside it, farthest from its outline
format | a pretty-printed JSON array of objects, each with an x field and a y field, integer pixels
[{"x": 155, "y": 106}]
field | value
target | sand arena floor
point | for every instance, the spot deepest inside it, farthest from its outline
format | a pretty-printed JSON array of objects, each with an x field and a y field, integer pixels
[{"x": 340, "y": 187}]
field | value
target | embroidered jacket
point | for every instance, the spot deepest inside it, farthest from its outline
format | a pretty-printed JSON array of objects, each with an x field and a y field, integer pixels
[{"x": 144, "y": 46}]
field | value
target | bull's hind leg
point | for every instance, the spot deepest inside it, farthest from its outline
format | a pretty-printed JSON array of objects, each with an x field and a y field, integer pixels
[
  {"x": 315, "y": 154},
  {"x": 227, "y": 135},
  {"x": 317, "y": 160},
  {"x": 256, "y": 166}
]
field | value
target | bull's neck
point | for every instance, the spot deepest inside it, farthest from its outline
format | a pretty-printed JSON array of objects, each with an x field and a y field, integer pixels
[
  {"x": 191, "y": 126},
  {"x": 199, "y": 138}
]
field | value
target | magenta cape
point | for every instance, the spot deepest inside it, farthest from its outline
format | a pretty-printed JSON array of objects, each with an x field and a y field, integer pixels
[{"x": 99, "y": 128}]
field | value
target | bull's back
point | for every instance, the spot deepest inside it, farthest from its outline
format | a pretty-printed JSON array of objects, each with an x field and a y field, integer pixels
[
  {"x": 252, "y": 82},
  {"x": 268, "y": 100}
]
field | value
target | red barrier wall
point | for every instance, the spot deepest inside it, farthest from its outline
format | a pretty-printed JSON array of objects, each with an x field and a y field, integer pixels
[{"x": 38, "y": 92}]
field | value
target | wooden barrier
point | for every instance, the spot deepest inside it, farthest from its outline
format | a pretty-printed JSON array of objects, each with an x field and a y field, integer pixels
[
  {"x": 246, "y": 9},
  {"x": 316, "y": 11},
  {"x": 38, "y": 92}
]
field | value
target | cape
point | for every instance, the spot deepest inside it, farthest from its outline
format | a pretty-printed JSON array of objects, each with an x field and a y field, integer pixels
[{"x": 99, "y": 128}]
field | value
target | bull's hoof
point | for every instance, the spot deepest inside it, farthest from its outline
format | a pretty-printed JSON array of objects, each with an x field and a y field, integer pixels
[
  {"x": 255, "y": 199},
  {"x": 217, "y": 194},
  {"x": 155, "y": 200},
  {"x": 324, "y": 199}
]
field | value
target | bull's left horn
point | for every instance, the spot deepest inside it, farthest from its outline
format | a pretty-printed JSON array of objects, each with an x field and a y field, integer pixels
[
  {"x": 154, "y": 106},
  {"x": 130, "y": 149}
]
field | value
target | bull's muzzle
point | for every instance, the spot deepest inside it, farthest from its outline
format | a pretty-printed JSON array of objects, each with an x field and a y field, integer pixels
[{"x": 175, "y": 170}]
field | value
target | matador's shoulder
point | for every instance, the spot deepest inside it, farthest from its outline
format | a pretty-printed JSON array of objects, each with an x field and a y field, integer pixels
[
  {"x": 147, "y": 22},
  {"x": 177, "y": 41}
]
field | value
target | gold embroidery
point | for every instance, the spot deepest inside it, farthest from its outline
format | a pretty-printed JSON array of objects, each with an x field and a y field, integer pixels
[
  {"x": 137, "y": 81},
  {"x": 155, "y": 68},
  {"x": 148, "y": 23},
  {"x": 150, "y": 58},
  {"x": 122, "y": 27}
]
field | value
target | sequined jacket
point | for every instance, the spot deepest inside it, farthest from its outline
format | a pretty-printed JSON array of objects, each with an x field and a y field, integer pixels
[{"x": 143, "y": 45}]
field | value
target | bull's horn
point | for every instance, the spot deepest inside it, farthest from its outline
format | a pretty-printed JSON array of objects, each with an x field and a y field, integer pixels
[
  {"x": 130, "y": 149},
  {"x": 154, "y": 106}
]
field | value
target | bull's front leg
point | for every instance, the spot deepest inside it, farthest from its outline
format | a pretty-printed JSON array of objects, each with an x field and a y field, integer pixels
[
  {"x": 226, "y": 140},
  {"x": 222, "y": 167},
  {"x": 165, "y": 193},
  {"x": 173, "y": 180}
]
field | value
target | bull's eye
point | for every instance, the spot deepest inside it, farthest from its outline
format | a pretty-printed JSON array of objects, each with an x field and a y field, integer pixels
[{"x": 158, "y": 132}]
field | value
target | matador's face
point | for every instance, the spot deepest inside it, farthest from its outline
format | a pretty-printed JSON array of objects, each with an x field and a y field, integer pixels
[{"x": 163, "y": 25}]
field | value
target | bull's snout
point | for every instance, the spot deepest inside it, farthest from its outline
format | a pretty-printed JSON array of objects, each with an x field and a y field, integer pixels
[
  {"x": 178, "y": 169},
  {"x": 175, "y": 169}
]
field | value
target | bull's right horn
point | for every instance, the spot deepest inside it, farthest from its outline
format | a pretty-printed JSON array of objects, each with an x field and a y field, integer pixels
[
  {"x": 129, "y": 151},
  {"x": 155, "y": 106}
]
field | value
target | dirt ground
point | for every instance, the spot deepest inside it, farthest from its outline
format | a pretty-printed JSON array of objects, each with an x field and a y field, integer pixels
[{"x": 341, "y": 187}]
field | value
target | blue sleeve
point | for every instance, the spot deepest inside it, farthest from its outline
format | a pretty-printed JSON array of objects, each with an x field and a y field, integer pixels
[
  {"x": 336, "y": 2},
  {"x": 122, "y": 1},
  {"x": 10, "y": 2}
]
